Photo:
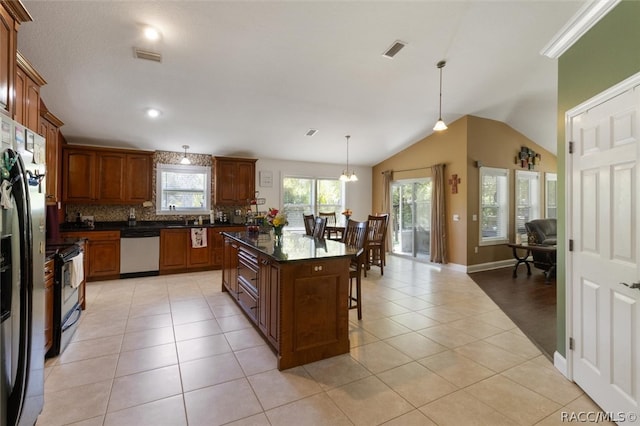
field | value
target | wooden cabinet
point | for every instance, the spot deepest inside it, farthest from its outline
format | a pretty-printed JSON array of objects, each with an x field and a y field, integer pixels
[
  {"x": 230, "y": 269},
  {"x": 173, "y": 253},
  {"x": 48, "y": 303},
  {"x": 50, "y": 130},
  {"x": 101, "y": 251},
  {"x": 217, "y": 243},
  {"x": 27, "y": 94},
  {"x": 234, "y": 180},
  {"x": 177, "y": 254},
  {"x": 106, "y": 176},
  {"x": 269, "y": 301},
  {"x": 12, "y": 13}
]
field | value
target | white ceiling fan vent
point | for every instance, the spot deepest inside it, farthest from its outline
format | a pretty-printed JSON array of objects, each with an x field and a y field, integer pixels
[
  {"x": 394, "y": 49},
  {"x": 147, "y": 54},
  {"x": 311, "y": 132}
]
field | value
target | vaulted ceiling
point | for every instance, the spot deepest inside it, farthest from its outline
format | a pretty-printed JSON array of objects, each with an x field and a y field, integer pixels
[{"x": 252, "y": 77}]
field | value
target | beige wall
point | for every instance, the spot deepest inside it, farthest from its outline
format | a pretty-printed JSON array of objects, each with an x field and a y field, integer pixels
[{"x": 467, "y": 140}]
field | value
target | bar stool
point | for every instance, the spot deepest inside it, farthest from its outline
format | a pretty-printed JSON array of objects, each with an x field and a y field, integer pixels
[{"x": 355, "y": 235}]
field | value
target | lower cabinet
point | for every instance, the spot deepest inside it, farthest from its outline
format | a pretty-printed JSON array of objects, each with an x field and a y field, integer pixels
[
  {"x": 177, "y": 253},
  {"x": 48, "y": 303},
  {"x": 230, "y": 267},
  {"x": 102, "y": 253},
  {"x": 269, "y": 300},
  {"x": 217, "y": 243}
]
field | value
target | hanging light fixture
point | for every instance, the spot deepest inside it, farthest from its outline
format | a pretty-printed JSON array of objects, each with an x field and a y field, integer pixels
[
  {"x": 184, "y": 159},
  {"x": 440, "y": 123},
  {"x": 346, "y": 176}
]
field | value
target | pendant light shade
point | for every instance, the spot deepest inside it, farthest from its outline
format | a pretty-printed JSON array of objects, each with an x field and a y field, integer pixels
[
  {"x": 440, "y": 125},
  {"x": 184, "y": 159},
  {"x": 346, "y": 176}
]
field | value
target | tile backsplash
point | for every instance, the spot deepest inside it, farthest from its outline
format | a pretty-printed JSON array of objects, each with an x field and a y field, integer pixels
[{"x": 115, "y": 213}]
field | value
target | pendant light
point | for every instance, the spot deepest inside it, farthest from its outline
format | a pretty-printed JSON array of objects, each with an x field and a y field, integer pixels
[
  {"x": 346, "y": 177},
  {"x": 440, "y": 123},
  {"x": 184, "y": 159}
]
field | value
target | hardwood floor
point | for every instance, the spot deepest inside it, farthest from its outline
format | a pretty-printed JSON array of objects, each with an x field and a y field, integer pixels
[{"x": 527, "y": 300}]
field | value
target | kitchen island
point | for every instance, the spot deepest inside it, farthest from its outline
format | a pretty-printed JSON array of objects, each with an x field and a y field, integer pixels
[{"x": 294, "y": 289}]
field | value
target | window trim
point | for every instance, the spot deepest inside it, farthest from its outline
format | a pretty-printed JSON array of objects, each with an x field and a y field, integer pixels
[
  {"x": 535, "y": 198},
  {"x": 550, "y": 177},
  {"x": 490, "y": 241},
  {"x": 183, "y": 168}
]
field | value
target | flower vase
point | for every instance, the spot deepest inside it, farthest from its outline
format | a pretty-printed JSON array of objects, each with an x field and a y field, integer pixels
[
  {"x": 277, "y": 232},
  {"x": 346, "y": 219}
]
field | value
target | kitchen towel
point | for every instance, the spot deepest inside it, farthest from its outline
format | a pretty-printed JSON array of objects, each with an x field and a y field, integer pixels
[
  {"x": 77, "y": 270},
  {"x": 198, "y": 237}
]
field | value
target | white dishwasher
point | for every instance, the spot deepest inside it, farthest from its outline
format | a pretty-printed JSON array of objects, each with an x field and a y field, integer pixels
[{"x": 139, "y": 252}]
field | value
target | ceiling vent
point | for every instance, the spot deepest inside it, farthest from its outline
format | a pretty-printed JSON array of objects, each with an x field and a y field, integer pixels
[
  {"x": 394, "y": 49},
  {"x": 146, "y": 54},
  {"x": 311, "y": 132}
]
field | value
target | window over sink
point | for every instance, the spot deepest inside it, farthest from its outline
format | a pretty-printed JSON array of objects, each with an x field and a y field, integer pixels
[{"x": 183, "y": 189}]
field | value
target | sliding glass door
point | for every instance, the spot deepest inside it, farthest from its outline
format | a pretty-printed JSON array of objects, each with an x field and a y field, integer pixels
[{"x": 411, "y": 217}]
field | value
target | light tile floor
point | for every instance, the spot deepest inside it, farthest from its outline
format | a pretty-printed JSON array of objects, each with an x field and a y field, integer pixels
[{"x": 432, "y": 349}]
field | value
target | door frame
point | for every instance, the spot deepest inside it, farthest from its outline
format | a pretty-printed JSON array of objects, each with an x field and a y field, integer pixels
[{"x": 566, "y": 365}]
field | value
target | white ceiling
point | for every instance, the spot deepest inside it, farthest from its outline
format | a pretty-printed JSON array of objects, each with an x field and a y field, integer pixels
[{"x": 250, "y": 78}]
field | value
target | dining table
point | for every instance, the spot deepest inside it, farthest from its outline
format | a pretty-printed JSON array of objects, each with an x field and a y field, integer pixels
[{"x": 333, "y": 232}]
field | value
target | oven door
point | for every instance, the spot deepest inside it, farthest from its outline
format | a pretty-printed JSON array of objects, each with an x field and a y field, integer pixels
[{"x": 69, "y": 294}]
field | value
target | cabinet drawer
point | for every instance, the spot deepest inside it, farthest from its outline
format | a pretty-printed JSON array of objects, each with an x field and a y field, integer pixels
[{"x": 248, "y": 300}]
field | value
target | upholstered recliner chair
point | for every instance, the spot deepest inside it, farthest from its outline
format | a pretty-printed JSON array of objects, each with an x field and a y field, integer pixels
[{"x": 543, "y": 232}]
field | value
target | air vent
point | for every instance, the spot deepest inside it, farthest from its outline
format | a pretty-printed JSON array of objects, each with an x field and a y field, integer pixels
[
  {"x": 311, "y": 132},
  {"x": 146, "y": 54},
  {"x": 394, "y": 49}
]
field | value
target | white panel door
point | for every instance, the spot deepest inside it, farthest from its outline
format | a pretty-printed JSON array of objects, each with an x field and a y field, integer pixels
[{"x": 604, "y": 227}]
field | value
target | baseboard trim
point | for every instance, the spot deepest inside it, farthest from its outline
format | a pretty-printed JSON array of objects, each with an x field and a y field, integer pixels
[
  {"x": 490, "y": 265},
  {"x": 560, "y": 363}
]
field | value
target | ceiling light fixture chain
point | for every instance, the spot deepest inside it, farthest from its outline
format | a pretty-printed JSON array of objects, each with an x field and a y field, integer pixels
[{"x": 440, "y": 125}]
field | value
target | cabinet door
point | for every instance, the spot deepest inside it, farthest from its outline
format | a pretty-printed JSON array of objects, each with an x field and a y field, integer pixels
[
  {"x": 138, "y": 178},
  {"x": 50, "y": 132},
  {"x": 245, "y": 182},
  {"x": 225, "y": 187},
  {"x": 7, "y": 60},
  {"x": 230, "y": 268},
  {"x": 79, "y": 182},
  {"x": 269, "y": 299},
  {"x": 173, "y": 253},
  {"x": 19, "y": 87},
  {"x": 32, "y": 105},
  {"x": 104, "y": 258},
  {"x": 198, "y": 257},
  {"x": 111, "y": 176}
]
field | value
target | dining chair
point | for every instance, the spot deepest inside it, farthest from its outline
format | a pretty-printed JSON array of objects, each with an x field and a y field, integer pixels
[
  {"x": 331, "y": 223},
  {"x": 309, "y": 223},
  {"x": 319, "y": 227},
  {"x": 375, "y": 243},
  {"x": 355, "y": 235}
]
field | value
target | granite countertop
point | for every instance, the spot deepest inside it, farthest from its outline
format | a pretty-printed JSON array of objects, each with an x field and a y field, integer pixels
[
  {"x": 292, "y": 246},
  {"x": 146, "y": 224}
]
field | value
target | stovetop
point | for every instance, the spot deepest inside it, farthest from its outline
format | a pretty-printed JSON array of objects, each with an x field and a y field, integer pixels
[{"x": 63, "y": 248}]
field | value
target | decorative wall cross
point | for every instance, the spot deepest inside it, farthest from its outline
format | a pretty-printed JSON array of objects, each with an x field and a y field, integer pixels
[{"x": 454, "y": 181}]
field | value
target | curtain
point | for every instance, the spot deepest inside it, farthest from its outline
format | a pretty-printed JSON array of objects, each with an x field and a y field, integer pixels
[
  {"x": 438, "y": 217},
  {"x": 387, "y": 175}
]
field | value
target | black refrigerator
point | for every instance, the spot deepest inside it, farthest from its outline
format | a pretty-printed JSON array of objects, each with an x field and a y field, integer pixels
[{"x": 22, "y": 246}]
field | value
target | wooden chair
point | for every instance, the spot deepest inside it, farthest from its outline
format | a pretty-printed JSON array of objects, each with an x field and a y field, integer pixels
[
  {"x": 331, "y": 222},
  {"x": 319, "y": 227},
  {"x": 309, "y": 223},
  {"x": 355, "y": 235},
  {"x": 375, "y": 244}
]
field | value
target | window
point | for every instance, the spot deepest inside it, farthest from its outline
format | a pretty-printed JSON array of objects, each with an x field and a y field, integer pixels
[
  {"x": 310, "y": 196},
  {"x": 494, "y": 205},
  {"x": 551, "y": 194},
  {"x": 527, "y": 199},
  {"x": 183, "y": 189}
]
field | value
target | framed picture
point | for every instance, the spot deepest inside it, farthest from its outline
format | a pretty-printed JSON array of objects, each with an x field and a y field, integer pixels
[
  {"x": 30, "y": 140},
  {"x": 19, "y": 133},
  {"x": 266, "y": 179}
]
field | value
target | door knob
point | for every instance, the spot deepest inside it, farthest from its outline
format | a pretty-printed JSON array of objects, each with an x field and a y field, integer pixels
[{"x": 633, "y": 285}]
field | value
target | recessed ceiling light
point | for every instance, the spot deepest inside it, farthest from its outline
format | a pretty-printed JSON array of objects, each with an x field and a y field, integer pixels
[
  {"x": 153, "y": 113},
  {"x": 151, "y": 33}
]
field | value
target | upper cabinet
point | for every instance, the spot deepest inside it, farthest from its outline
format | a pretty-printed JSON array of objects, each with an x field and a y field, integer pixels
[
  {"x": 50, "y": 130},
  {"x": 27, "y": 90},
  {"x": 235, "y": 180},
  {"x": 12, "y": 14},
  {"x": 106, "y": 176}
]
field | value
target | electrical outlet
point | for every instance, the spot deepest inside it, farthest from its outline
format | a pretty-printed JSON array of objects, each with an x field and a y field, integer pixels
[
  {"x": 475, "y": 217},
  {"x": 475, "y": 250}
]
